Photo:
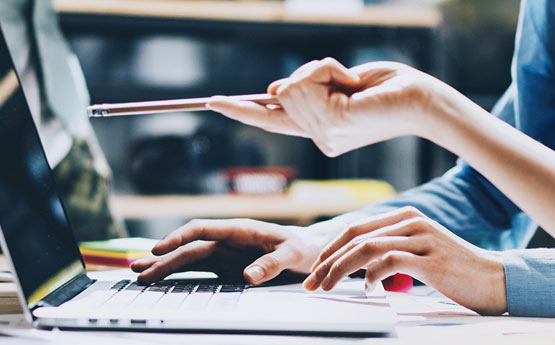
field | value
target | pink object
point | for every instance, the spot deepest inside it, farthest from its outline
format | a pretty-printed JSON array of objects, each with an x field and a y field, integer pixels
[{"x": 398, "y": 283}]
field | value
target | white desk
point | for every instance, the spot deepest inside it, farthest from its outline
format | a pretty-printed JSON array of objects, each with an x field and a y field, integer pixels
[{"x": 425, "y": 318}]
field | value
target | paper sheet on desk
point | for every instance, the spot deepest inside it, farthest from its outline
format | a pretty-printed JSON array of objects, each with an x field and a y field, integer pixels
[
  {"x": 502, "y": 331},
  {"x": 427, "y": 317}
]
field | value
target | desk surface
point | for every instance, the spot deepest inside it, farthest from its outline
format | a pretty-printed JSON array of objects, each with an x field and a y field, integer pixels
[
  {"x": 425, "y": 317},
  {"x": 403, "y": 15}
]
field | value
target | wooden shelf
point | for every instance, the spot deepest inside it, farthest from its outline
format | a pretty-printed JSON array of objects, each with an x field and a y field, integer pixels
[
  {"x": 282, "y": 207},
  {"x": 397, "y": 15}
]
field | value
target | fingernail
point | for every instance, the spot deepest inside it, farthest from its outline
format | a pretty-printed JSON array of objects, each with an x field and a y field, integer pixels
[{"x": 255, "y": 273}]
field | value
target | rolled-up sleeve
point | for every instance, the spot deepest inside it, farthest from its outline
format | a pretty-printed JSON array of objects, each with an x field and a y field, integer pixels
[{"x": 530, "y": 282}]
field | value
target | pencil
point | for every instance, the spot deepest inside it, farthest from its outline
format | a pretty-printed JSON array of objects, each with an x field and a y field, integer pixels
[{"x": 156, "y": 107}]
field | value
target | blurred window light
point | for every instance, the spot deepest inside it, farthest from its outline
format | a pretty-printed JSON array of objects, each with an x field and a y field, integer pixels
[{"x": 325, "y": 7}]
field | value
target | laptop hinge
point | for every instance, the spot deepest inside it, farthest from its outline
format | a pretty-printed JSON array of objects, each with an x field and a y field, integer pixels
[{"x": 66, "y": 292}]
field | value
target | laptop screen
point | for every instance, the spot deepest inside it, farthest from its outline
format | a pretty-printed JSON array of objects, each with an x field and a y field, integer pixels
[{"x": 35, "y": 228}]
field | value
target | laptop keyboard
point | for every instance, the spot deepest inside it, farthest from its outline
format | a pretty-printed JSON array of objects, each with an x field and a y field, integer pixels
[{"x": 183, "y": 295}]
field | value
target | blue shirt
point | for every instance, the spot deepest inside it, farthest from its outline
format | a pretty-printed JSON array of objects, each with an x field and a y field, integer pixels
[{"x": 469, "y": 205}]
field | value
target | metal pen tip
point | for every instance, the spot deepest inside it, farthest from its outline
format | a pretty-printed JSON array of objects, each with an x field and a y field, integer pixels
[{"x": 97, "y": 111}]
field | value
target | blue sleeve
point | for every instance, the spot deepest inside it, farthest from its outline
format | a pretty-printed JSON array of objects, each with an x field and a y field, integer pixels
[
  {"x": 530, "y": 282},
  {"x": 533, "y": 71}
]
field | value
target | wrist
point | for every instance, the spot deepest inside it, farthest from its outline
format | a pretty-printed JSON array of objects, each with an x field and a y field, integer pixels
[
  {"x": 495, "y": 283},
  {"x": 329, "y": 229},
  {"x": 449, "y": 118}
]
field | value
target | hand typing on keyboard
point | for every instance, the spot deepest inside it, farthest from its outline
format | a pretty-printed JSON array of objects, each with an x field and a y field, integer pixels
[{"x": 256, "y": 250}]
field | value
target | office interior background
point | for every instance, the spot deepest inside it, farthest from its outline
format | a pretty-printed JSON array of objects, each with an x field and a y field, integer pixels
[{"x": 466, "y": 43}]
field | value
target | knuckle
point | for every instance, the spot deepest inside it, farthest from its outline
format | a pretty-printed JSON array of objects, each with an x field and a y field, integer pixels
[
  {"x": 271, "y": 263},
  {"x": 357, "y": 240},
  {"x": 410, "y": 212},
  {"x": 327, "y": 145},
  {"x": 329, "y": 61},
  {"x": 369, "y": 247},
  {"x": 391, "y": 260},
  {"x": 353, "y": 232},
  {"x": 421, "y": 223}
]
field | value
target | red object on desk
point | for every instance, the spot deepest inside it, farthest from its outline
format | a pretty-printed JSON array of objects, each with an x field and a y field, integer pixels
[{"x": 398, "y": 283}]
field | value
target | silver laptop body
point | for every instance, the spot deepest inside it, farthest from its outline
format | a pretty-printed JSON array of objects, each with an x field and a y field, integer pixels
[{"x": 56, "y": 291}]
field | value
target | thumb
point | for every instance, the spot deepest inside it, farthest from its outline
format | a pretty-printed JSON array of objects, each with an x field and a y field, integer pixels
[
  {"x": 330, "y": 71},
  {"x": 268, "y": 266}
]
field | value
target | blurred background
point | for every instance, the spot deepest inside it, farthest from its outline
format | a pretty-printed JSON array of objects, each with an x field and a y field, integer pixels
[{"x": 169, "y": 168}]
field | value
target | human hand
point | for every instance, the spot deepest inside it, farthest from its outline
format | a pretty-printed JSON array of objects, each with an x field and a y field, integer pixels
[
  {"x": 406, "y": 241},
  {"x": 257, "y": 250},
  {"x": 343, "y": 109}
]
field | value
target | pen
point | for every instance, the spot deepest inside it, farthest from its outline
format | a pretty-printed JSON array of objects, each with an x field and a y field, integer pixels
[{"x": 156, "y": 107}]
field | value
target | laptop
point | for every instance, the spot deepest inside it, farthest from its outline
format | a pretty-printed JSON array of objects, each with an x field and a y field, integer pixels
[{"x": 57, "y": 292}]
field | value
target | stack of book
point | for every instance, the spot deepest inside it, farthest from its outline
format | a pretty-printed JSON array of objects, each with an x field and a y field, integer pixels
[
  {"x": 117, "y": 252},
  {"x": 9, "y": 303}
]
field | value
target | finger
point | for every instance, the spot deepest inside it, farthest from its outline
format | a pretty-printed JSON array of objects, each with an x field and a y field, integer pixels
[
  {"x": 270, "y": 265},
  {"x": 392, "y": 263},
  {"x": 252, "y": 114},
  {"x": 242, "y": 230},
  {"x": 376, "y": 73},
  {"x": 330, "y": 71},
  {"x": 402, "y": 230},
  {"x": 338, "y": 266},
  {"x": 176, "y": 261},
  {"x": 367, "y": 252},
  {"x": 142, "y": 264},
  {"x": 406, "y": 228},
  {"x": 327, "y": 71},
  {"x": 368, "y": 225},
  {"x": 273, "y": 87}
]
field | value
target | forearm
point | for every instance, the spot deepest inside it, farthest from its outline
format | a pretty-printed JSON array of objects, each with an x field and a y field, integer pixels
[{"x": 520, "y": 167}]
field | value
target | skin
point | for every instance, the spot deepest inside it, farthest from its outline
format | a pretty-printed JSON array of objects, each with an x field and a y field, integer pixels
[{"x": 343, "y": 109}]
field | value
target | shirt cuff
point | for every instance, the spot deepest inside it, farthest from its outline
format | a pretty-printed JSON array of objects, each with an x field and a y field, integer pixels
[{"x": 530, "y": 282}]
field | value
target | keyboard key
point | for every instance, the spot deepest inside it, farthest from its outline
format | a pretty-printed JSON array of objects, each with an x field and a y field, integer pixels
[
  {"x": 224, "y": 302},
  {"x": 121, "y": 284},
  {"x": 121, "y": 300},
  {"x": 197, "y": 301},
  {"x": 207, "y": 288},
  {"x": 172, "y": 302},
  {"x": 183, "y": 288},
  {"x": 230, "y": 288},
  {"x": 136, "y": 287},
  {"x": 146, "y": 300}
]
